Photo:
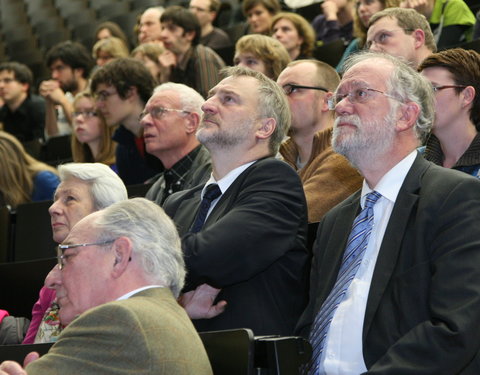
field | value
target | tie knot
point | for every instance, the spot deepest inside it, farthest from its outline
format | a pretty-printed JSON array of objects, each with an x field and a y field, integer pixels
[
  {"x": 212, "y": 192},
  {"x": 371, "y": 199}
]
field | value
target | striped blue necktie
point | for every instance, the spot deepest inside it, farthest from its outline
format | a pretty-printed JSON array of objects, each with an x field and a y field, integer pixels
[{"x": 352, "y": 258}]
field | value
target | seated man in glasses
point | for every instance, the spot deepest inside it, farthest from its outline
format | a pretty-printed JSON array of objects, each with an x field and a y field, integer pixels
[
  {"x": 395, "y": 282},
  {"x": 121, "y": 270},
  {"x": 327, "y": 177},
  {"x": 403, "y": 33},
  {"x": 170, "y": 121}
]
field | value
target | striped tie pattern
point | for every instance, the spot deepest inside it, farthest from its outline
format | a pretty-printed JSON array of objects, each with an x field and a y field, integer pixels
[
  {"x": 212, "y": 191},
  {"x": 352, "y": 258}
]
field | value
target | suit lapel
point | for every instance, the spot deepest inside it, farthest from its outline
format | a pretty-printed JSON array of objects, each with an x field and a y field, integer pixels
[
  {"x": 186, "y": 212},
  {"x": 392, "y": 240}
]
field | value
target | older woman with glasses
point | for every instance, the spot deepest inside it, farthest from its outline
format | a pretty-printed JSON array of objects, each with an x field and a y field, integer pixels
[
  {"x": 455, "y": 140},
  {"x": 84, "y": 188}
]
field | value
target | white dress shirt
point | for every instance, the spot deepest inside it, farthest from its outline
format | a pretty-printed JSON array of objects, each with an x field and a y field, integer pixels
[{"x": 343, "y": 353}]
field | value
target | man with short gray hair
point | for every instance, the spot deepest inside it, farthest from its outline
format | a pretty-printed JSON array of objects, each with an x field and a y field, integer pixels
[
  {"x": 244, "y": 231},
  {"x": 170, "y": 121},
  {"x": 121, "y": 271},
  {"x": 395, "y": 282}
]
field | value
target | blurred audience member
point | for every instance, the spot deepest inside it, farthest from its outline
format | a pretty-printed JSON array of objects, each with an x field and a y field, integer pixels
[
  {"x": 92, "y": 141},
  {"x": 149, "y": 27},
  {"x": 403, "y": 33},
  {"x": 206, "y": 11},
  {"x": 259, "y": 14},
  {"x": 84, "y": 188},
  {"x": 108, "y": 29},
  {"x": 185, "y": 60},
  {"x": 121, "y": 88},
  {"x": 327, "y": 177},
  {"x": 335, "y": 22},
  {"x": 23, "y": 114},
  {"x": 455, "y": 141},
  {"x": 451, "y": 21},
  {"x": 170, "y": 121},
  {"x": 107, "y": 49},
  {"x": 261, "y": 53},
  {"x": 70, "y": 65},
  {"x": 22, "y": 178},
  {"x": 148, "y": 54},
  {"x": 295, "y": 33},
  {"x": 365, "y": 9}
]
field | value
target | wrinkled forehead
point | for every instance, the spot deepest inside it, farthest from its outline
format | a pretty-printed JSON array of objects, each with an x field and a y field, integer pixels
[
  {"x": 374, "y": 72},
  {"x": 164, "y": 98},
  {"x": 242, "y": 86}
]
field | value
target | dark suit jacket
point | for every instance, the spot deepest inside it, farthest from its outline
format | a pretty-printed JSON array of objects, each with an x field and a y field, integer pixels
[
  {"x": 252, "y": 246},
  {"x": 423, "y": 308},
  {"x": 149, "y": 334}
]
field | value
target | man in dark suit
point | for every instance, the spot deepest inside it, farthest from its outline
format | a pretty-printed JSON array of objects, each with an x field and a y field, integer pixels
[
  {"x": 121, "y": 271},
  {"x": 413, "y": 305},
  {"x": 252, "y": 244}
]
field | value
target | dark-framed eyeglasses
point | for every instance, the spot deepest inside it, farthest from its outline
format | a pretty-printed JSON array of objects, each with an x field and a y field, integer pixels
[
  {"x": 62, "y": 258},
  {"x": 290, "y": 88},
  {"x": 158, "y": 112},
  {"x": 358, "y": 95},
  {"x": 443, "y": 87},
  {"x": 102, "y": 96}
]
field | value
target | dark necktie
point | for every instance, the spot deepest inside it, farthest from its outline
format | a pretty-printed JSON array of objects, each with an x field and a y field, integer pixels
[
  {"x": 352, "y": 258},
  {"x": 212, "y": 192}
]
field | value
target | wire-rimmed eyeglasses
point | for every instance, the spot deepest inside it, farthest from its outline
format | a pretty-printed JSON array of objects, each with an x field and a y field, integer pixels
[
  {"x": 158, "y": 112},
  {"x": 358, "y": 95},
  {"x": 62, "y": 258}
]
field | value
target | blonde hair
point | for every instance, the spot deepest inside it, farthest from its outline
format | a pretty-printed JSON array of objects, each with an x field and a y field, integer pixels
[
  {"x": 81, "y": 151},
  {"x": 18, "y": 171},
  {"x": 114, "y": 46},
  {"x": 273, "y": 53}
]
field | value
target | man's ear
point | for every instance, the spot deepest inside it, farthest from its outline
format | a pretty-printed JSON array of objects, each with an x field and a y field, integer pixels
[
  {"x": 468, "y": 94},
  {"x": 191, "y": 123},
  {"x": 122, "y": 248},
  {"x": 419, "y": 36},
  {"x": 407, "y": 116},
  {"x": 190, "y": 35},
  {"x": 132, "y": 92},
  {"x": 267, "y": 128}
]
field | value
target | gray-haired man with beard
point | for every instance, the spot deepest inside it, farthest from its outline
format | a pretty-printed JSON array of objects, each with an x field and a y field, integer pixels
[
  {"x": 244, "y": 231},
  {"x": 399, "y": 292}
]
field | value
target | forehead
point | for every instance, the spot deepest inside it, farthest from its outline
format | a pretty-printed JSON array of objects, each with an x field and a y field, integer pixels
[
  {"x": 438, "y": 74},
  {"x": 104, "y": 87},
  {"x": 204, "y": 4},
  {"x": 385, "y": 23},
  {"x": 302, "y": 73},
  {"x": 282, "y": 22},
  {"x": 243, "y": 86},
  {"x": 73, "y": 186},
  {"x": 373, "y": 72},
  {"x": 84, "y": 230},
  {"x": 164, "y": 98},
  {"x": 58, "y": 64},
  {"x": 257, "y": 8},
  {"x": 151, "y": 15},
  {"x": 7, "y": 73},
  {"x": 84, "y": 101}
]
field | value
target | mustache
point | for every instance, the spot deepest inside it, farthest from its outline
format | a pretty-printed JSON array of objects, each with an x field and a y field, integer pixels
[{"x": 351, "y": 119}]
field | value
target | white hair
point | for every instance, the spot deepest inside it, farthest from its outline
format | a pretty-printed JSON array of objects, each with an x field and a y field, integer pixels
[
  {"x": 154, "y": 236},
  {"x": 190, "y": 100},
  {"x": 106, "y": 187}
]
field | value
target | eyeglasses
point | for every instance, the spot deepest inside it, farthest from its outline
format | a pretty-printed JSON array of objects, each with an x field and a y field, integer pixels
[
  {"x": 158, "y": 112},
  {"x": 85, "y": 114},
  {"x": 358, "y": 95},
  {"x": 61, "y": 258},
  {"x": 103, "y": 95},
  {"x": 383, "y": 37},
  {"x": 438, "y": 88},
  {"x": 7, "y": 80},
  {"x": 290, "y": 88}
]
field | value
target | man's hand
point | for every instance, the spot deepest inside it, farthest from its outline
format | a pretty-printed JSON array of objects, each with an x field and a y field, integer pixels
[
  {"x": 51, "y": 90},
  {"x": 14, "y": 368},
  {"x": 424, "y": 7},
  {"x": 199, "y": 302},
  {"x": 330, "y": 10}
]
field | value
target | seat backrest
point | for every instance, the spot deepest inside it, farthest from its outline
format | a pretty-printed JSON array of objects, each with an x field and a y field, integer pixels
[
  {"x": 21, "y": 282},
  {"x": 17, "y": 353},
  {"x": 231, "y": 352},
  {"x": 33, "y": 232},
  {"x": 5, "y": 234}
]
